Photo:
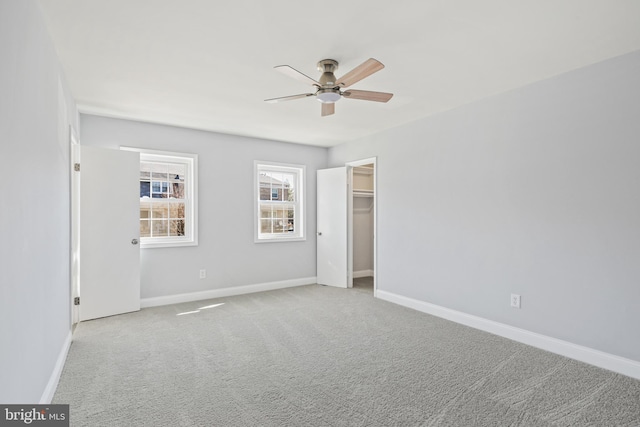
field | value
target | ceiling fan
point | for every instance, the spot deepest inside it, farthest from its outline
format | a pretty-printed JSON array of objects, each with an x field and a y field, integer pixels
[{"x": 329, "y": 90}]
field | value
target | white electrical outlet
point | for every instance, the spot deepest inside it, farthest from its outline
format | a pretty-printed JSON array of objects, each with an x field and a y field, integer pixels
[
  {"x": 203, "y": 274},
  {"x": 515, "y": 300}
]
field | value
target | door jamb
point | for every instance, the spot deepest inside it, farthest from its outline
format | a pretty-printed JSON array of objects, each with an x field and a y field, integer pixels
[{"x": 74, "y": 147}]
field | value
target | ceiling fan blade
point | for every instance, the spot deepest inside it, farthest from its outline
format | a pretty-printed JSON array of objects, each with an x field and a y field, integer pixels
[
  {"x": 367, "y": 95},
  {"x": 292, "y": 72},
  {"x": 288, "y": 98},
  {"x": 363, "y": 70},
  {"x": 328, "y": 109}
]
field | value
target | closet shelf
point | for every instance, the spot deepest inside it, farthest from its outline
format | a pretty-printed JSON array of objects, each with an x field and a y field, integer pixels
[
  {"x": 363, "y": 170},
  {"x": 362, "y": 193}
]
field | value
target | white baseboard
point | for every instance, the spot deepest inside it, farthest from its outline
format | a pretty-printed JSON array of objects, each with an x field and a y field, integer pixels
[
  {"x": 362, "y": 273},
  {"x": 52, "y": 385},
  {"x": 588, "y": 355},
  {"x": 225, "y": 292}
]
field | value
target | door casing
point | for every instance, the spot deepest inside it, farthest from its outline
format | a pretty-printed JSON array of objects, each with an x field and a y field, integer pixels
[
  {"x": 74, "y": 144},
  {"x": 350, "y": 166}
]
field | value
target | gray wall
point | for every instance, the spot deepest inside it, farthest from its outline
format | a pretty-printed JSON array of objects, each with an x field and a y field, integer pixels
[
  {"x": 226, "y": 243},
  {"x": 536, "y": 192},
  {"x": 35, "y": 111}
]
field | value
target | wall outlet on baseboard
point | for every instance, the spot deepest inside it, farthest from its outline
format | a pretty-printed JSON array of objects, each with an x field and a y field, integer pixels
[
  {"x": 515, "y": 300},
  {"x": 203, "y": 274}
]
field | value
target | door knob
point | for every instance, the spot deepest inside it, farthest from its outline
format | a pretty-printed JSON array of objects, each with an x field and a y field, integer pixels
[{"x": 134, "y": 241}]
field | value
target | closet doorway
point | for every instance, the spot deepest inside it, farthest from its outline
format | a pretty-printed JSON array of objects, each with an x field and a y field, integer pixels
[{"x": 361, "y": 216}]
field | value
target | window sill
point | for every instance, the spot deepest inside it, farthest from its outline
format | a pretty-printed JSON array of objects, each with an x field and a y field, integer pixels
[
  {"x": 280, "y": 239},
  {"x": 153, "y": 245}
]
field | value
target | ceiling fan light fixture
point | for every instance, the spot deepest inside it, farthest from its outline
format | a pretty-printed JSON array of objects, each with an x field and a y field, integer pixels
[
  {"x": 328, "y": 96},
  {"x": 328, "y": 89}
]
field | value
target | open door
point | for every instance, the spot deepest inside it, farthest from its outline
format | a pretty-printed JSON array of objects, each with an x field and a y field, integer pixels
[
  {"x": 109, "y": 232},
  {"x": 332, "y": 227}
]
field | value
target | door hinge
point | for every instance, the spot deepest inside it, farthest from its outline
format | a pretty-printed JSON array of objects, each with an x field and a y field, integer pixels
[
  {"x": 76, "y": 167},
  {"x": 76, "y": 301}
]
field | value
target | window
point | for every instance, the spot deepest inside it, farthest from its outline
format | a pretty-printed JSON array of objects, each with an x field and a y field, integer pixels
[
  {"x": 279, "y": 202},
  {"x": 168, "y": 209}
]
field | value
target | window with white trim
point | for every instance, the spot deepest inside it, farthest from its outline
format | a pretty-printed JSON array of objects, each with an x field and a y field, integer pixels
[
  {"x": 279, "y": 202},
  {"x": 168, "y": 198}
]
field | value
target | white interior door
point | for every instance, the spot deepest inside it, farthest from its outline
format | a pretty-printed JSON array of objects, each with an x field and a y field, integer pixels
[
  {"x": 332, "y": 227},
  {"x": 109, "y": 232}
]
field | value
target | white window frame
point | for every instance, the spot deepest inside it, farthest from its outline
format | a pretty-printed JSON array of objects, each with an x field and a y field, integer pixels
[
  {"x": 300, "y": 172},
  {"x": 190, "y": 237}
]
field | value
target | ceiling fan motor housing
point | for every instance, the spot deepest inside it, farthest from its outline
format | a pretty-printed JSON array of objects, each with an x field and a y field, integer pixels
[
  {"x": 327, "y": 67},
  {"x": 328, "y": 93}
]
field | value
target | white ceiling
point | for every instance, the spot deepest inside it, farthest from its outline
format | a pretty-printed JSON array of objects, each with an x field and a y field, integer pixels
[{"x": 208, "y": 64}]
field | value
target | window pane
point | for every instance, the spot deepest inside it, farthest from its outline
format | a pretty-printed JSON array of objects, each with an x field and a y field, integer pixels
[
  {"x": 145, "y": 170},
  {"x": 288, "y": 187},
  {"x": 265, "y": 211},
  {"x": 145, "y": 188},
  {"x": 160, "y": 210},
  {"x": 276, "y": 186},
  {"x": 276, "y": 178},
  {"x": 265, "y": 186},
  {"x": 290, "y": 220},
  {"x": 176, "y": 210},
  {"x": 176, "y": 227},
  {"x": 265, "y": 225},
  {"x": 283, "y": 219},
  {"x": 159, "y": 227},
  {"x": 177, "y": 190},
  {"x": 145, "y": 228},
  {"x": 159, "y": 189},
  {"x": 159, "y": 170},
  {"x": 290, "y": 193},
  {"x": 176, "y": 171},
  {"x": 278, "y": 226},
  {"x": 145, "y": 211}
]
